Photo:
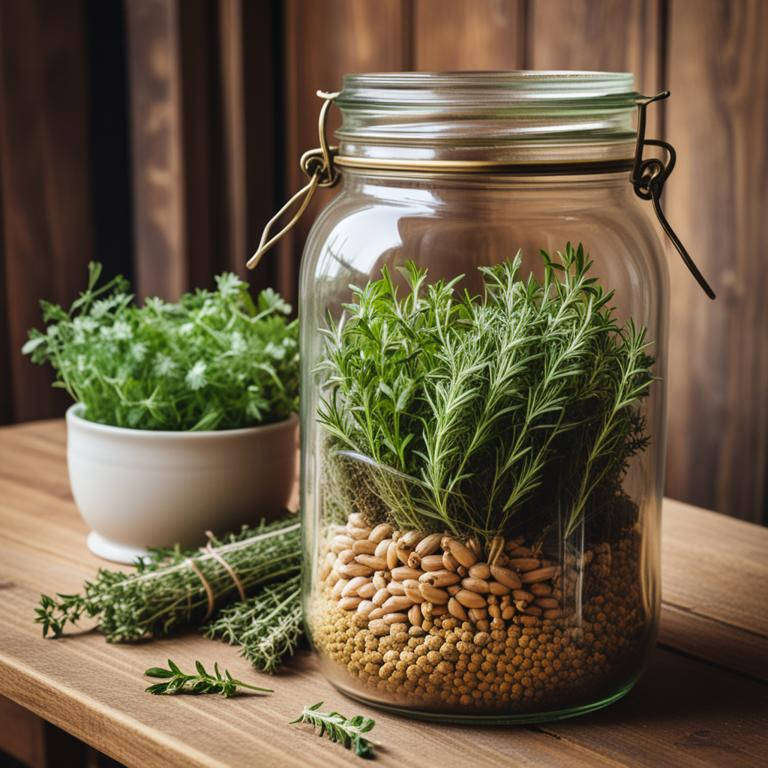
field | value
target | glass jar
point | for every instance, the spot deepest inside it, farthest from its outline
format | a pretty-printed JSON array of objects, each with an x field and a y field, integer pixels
[{"x": 484, "y": 339}]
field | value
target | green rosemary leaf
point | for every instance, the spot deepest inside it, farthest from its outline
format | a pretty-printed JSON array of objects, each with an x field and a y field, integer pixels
[
  {"x": 471, "y": 414},
  {"x": 345, "y": 731},
  {"x": 202, "y": 682}
]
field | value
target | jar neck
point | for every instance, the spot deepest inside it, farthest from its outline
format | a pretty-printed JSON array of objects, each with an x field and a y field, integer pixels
[
  {"x": 514, "y": 118},
  {"x": 427, "y": 187}
]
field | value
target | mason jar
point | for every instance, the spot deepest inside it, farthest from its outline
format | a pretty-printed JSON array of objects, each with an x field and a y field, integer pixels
[{"x": 483, "y": 312}]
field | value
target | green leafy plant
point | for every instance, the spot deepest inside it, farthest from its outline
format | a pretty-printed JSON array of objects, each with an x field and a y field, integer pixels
[
  {"x": 177, "y": 681},
  {"x": 473, "y": 414},
  {"x": 168, "y": 592},
  {"x": 268, "y": 627},
  {"x": 214, "y": 360},
  {"x": 342, "y": 730}
]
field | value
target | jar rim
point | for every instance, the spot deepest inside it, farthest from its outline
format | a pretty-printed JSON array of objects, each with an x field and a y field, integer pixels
[{"x": 488, "y": 90}]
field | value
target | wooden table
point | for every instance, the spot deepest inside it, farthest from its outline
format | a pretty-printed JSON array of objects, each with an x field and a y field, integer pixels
[{"x": 704, "y": 700}]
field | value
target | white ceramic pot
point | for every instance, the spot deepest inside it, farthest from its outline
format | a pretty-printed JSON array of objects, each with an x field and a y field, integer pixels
[{"x": 139, "y": 488}]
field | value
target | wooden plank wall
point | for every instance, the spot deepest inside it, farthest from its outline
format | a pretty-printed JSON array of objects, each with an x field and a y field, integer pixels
[
  {"x": 222, "y": 96},
  {"x": 44, "y": 185}
]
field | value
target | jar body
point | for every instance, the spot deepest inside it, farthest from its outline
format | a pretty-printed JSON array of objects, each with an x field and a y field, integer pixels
[{"x": 555, "y": 613}]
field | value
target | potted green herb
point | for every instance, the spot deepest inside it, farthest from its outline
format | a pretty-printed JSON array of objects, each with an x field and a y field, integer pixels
[{"x": 184, "y": 416}]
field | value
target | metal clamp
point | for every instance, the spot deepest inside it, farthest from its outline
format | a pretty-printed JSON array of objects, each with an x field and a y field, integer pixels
[
  {"x": 648, "y": 177},
  {"x": 318, "y": 165}
]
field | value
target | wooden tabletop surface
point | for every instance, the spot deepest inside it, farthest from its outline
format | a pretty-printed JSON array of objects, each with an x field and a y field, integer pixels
[{"x": 702, "y": 702}]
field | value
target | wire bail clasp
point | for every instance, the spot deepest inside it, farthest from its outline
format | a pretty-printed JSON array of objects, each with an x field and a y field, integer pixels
[
  {"x": 648, "y": 177},
  {"x": 318, "y": 165}
]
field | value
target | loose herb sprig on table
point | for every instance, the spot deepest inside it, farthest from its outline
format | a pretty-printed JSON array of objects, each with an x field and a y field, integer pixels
[
  {"x": 166, "y": 593},
  {"x": 470, "y": 414},
  {"x": 346, "y": 731},
  {"x": 201, "y": 682},
  {"x": 267, "y": 627},
  {"x": 213, "y": 360}
]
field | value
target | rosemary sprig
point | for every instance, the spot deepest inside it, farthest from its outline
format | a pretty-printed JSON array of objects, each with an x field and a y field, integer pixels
[
  {"x": 166, "y": 594},
  {"x": 267, "y": 627},
  {"x": 476, "y": 414},
  {"x": 346, "y": 731},
  {"x": 202, "y": 682}
]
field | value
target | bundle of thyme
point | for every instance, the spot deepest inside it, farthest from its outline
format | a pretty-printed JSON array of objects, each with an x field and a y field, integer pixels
[
  {"x": 176, "y": 589},
  {"x": 474, "y": 414},
  {"x": 267, "y": 627}
]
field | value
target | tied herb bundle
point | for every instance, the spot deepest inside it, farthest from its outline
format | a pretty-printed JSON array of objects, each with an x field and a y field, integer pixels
[
  {"x": 267, "y": 627},
  {"x": 176, "y": 589},
  {"x": 445, "y": 411},
  {"x": 214, "y": 360}
]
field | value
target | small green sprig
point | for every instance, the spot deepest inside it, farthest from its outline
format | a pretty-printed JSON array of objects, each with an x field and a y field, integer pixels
[
  {"x": 201, "y": 682},
  {"x": 346, "y": 731}
]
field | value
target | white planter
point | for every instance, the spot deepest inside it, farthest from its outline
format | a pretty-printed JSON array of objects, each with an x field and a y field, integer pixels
[{"x": 139, "y": 488}]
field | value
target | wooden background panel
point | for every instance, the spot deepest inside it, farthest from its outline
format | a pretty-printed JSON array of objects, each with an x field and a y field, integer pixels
[
  {"x": 156, "y": 131},
  {"x": 323, "y": 41},
  {"x": 453, "y": 34},
  {"x": 203, "y": 160},
  {"x": 717, "y": 118},
  {"x": 44, "y": 182},
  {"x": 608, "y": 35}
]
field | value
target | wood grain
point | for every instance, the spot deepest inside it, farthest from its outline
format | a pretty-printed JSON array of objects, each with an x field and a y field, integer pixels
[
  {"x": 699, "y": 704},
  {"x": 157, "y": 152},
  {"x": 453, "y": 34},
  {"x": 607, "y": 35},
  {"x": 44, "y": 185},
  {"x": 324, "y": 41},
  {"x": 718, "y": 380}
]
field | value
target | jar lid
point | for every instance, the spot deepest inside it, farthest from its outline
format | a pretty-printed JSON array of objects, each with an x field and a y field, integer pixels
[{"x": 517, "y": 116}]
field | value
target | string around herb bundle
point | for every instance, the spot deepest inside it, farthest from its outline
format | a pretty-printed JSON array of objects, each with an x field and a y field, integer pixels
[{"x": 167, "y": 593}]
